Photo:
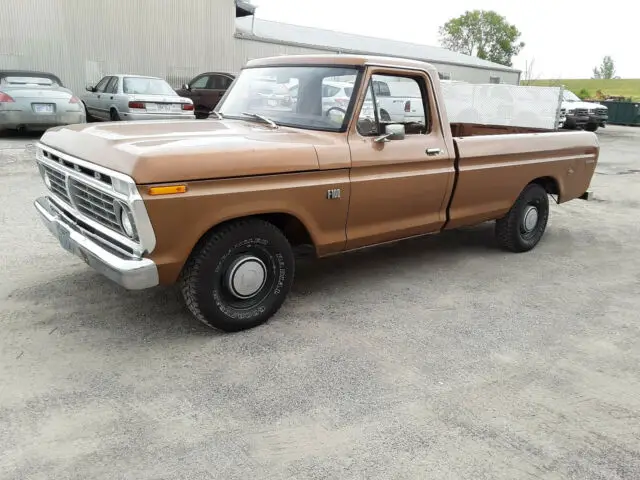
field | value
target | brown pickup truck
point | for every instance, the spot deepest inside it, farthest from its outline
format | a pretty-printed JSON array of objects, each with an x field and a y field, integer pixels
[{"x": 219, "y": 205}]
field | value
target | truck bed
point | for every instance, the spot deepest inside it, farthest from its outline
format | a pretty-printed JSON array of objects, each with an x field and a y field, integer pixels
[{"x": 493, "y": 168}]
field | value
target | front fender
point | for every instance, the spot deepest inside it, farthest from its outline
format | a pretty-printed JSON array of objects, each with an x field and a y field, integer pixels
[{"x": 181, "y": 220}]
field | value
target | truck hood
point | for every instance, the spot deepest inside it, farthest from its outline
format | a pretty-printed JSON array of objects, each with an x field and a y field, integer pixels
[
  {"x": 587, "y": 105},
  {"x": 170, "y": 151}
]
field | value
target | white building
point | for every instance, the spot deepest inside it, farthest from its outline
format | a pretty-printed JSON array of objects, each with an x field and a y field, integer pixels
[{"x": 82, "y": 40}]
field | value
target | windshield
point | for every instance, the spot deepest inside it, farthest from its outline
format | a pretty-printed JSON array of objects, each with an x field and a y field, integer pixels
[
  {"x": 291, "y": 96},
  {"x": 569, "y": 96},
  {"x": 146, "y": 86}
]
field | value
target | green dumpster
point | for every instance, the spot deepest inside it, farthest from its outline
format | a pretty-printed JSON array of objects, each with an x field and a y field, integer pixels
[{"x": 623, "y": 113}]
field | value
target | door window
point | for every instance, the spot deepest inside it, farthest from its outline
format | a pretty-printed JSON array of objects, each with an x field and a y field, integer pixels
[
  {"x": 392, "y": 99},
  {"x": 200, "y": 82},
  {"x": 220, "y": 82},
  {"x": 112, "y": 86},
  {"x": 102, "y": 84}
]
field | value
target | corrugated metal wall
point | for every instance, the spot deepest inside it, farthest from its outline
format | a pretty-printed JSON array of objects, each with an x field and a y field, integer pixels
[{"x": 83, "y": 40}]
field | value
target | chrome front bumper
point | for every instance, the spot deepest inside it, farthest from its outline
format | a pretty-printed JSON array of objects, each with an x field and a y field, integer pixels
[{"x": 132, "y": 274}]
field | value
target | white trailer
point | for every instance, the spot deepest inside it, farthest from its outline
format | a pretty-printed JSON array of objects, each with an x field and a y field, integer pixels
[
  {"x": 504, "y": 105},
  {"x": 486, "y": 104}
]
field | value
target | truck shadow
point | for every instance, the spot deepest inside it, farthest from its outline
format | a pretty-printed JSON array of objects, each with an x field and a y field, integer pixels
[
  {"x": 417, "y": 253},
  {"x": 83, "y": 299}
]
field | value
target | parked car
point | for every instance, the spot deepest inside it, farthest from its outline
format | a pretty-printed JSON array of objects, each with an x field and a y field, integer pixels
[
  {"x": 135, "y": 97},
  {"x": 579, "y": 114},
  {"x": 36, "y": 101},
  {"x": 206, "y": 90},
  {"x": 219, "y": 206},
  {"x": 335, "y": 95}
]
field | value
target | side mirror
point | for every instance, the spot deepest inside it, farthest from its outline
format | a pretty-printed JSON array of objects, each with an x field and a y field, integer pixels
[
  {"x": 90, "y": 88},
  {"x": 185, "y": 86},
  {"x": 394, "y": 131}
]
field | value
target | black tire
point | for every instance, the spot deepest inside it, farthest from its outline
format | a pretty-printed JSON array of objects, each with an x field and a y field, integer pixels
[
  {"x": 591, "y": 127},
  {"x": 113, "y": 115},
  {"x": 89, "y": 118},
  {"x": 206, "y": 280},
  {"x": 202, "y": 113},
  {"x": 515, "y": 231}
]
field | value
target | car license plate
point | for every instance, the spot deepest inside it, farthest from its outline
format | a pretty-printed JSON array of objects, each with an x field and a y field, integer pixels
[
  {"x": 43, "y": 108},
  {"x": 163, "y": 107},
  {"x": 64, "y": 237}
]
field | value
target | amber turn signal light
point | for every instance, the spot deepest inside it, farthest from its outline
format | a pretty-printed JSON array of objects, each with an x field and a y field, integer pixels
[{"x": 167, "y": 190}]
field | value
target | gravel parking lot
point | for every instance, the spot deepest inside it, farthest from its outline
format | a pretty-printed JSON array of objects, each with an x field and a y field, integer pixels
[{"x": 438, "y": 358}]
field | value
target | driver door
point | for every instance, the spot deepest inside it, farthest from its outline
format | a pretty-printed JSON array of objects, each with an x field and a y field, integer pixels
[
  {"x": 93, "y": 100},
  {"x": 398, "y": 187}
]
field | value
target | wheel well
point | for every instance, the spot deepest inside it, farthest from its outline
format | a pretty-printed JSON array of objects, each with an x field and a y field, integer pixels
[
  {"x": 292, "y": 228},
  {"x": 549, "y": 184}
]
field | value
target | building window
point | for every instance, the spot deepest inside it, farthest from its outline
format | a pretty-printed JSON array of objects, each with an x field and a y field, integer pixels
[
  {"x": 495, "y": 79},
  {"x": 444, "y": 75}
]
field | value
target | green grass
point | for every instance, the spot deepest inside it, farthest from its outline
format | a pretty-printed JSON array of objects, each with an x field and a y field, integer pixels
[{"x": 623, "y": 87}]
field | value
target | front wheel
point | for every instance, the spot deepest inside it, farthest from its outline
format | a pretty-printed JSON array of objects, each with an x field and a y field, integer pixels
[
  {"x": 240, "y": 276},
  {"x": 591, "y": 127},
  {"x": 522, "y": 227},
  {"x": 202, "y": 113}
]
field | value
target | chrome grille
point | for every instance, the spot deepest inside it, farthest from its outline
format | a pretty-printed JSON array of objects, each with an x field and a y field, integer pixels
[
  {"x": 93, "y": 203},
  {"x": 581, "y": 111},
  {"x": 58, "y": 184}
]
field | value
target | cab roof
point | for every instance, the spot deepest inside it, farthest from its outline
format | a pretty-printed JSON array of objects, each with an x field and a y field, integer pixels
[{"x": 341, "y": 60}]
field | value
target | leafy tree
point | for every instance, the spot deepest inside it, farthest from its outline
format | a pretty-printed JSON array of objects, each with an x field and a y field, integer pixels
[
  {"x": 484, "y": 34},
  {"x": 607, "y": 69},
  {"x": 583, "y": 94}
]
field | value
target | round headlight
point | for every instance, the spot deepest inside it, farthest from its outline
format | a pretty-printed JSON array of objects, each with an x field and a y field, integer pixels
[{"x": 125, "y": 221}]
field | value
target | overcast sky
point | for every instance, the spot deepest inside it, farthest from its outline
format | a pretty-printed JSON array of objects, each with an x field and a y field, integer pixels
[{"x": 565, "y": 41}]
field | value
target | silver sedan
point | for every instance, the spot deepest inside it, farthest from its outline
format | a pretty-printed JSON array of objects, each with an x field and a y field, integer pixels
[
  {"x": 36, "y": 101},
  {"x": 135, "y": 97}
]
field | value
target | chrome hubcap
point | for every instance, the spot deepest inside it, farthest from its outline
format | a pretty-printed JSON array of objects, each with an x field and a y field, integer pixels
[
  {"x": 246, "y": 277},
  {"x": 530, "y": 218}
]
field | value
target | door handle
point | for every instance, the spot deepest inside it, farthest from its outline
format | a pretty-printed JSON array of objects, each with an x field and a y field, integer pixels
[{"x": 433, "y": 151}]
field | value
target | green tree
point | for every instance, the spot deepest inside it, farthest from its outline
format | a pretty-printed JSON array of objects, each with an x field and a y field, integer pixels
[
  {"x": 607, "y": 69},
  {"x": 484, "y": 34},
  {"x": 583, "y": 94}
]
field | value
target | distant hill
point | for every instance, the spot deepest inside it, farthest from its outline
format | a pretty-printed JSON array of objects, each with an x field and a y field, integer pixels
[{"x": 619, "y": 87}]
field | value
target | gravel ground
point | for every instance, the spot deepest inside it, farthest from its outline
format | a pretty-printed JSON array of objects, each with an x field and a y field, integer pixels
[{"x": 440, "y": 358}]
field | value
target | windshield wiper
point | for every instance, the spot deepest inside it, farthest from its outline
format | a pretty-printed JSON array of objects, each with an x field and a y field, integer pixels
[{"x": 271, "y": 123}]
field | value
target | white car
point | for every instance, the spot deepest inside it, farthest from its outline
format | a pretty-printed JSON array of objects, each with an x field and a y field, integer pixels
[
  {"x": 135, "y": 97},
  {"x": 335, "y": 95}
]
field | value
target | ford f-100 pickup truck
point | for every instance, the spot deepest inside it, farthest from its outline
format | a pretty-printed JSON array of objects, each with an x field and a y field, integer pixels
[{"x": 218, "y": 205}]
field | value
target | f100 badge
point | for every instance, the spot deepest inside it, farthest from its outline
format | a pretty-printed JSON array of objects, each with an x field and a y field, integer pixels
[{"x": 333, "y": 194}]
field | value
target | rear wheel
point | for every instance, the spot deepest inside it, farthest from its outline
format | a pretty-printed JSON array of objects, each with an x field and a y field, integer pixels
[
  {"x": 522, "y": 227},
  {"x": 240, "y": 275}
]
